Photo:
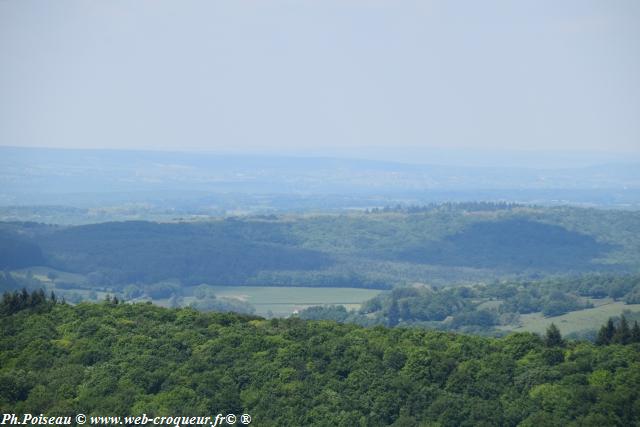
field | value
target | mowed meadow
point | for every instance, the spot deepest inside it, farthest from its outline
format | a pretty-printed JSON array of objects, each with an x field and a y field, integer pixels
[{"x": 283, "y": 301}]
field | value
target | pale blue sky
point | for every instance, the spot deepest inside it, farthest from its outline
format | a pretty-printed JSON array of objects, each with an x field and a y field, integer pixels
[{"x": 343, "y": 76}]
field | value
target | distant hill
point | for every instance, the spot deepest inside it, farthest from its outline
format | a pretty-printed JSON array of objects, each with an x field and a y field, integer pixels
[
  {"x": 17, "y": 252},
  {"x": 516, "y": 244},
  {"x": 206, "y": 182},
  {"x": 138, "y": 251},
  {"x": 376, "y": 250}
]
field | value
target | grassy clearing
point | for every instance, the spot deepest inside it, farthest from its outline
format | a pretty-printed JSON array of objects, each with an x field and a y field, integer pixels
[
  {"x": 42, "y": 274},
  {"x": 277, "y": 301},
  {"x": 283, "y": 301},
  {"x": 576, "y": 321}
]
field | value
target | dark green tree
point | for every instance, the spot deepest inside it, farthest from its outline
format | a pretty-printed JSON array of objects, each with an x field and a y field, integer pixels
[
  {"x": 622, "y": 334},
  {"x": 610, "y": 330},
  {"x": 24, "y": 298},
  {"x": 393, "y": 318},
  {"x": 602, "y": 338},
  {"x": 635, "y": 332},
  {"x": 553, "y": 338}
]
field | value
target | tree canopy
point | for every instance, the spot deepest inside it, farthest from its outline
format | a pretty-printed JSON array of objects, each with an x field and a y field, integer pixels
[{"x": 122, "y": 359}]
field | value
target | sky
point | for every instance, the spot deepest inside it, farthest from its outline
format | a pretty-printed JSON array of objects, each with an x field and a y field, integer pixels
[{"x": 364, "y": 78}]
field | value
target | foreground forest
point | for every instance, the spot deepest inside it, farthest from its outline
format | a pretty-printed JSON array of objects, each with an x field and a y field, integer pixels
[{"x": 122, "y": 359}]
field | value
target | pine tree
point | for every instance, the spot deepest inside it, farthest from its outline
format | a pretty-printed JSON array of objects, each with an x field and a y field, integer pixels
[
  {"x": 553, "y": 337},
  {"x": 635, "y": 332},
  {"x": 38, "y": 297},
  {"x": 602, "y": 338},
  {"x": 9, "y": 303},
  {"x": 23, "y": 299},
  {"x": 394, "y": 313},
  {"x": 623, "y": 333},
  {"x": 610, "y": 330}
]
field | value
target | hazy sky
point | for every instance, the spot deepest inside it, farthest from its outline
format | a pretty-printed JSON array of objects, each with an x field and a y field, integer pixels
[{"x": 320, "y": 76}]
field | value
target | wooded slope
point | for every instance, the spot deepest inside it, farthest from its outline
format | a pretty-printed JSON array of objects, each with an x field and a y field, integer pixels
[{"x": 138, "y": 358}]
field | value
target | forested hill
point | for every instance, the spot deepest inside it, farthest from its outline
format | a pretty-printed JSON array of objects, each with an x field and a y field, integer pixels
[
  {"x": 378, "y": 249},
  {"x": 128, "y": 359}
]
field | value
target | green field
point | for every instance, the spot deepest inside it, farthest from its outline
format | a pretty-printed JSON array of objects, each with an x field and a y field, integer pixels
[
  {"x": 575, "y": 321},
  {"x": 41, "y": 273},
  {"x": 283, "y": 301},
  {"x": 267, "y": 301}
]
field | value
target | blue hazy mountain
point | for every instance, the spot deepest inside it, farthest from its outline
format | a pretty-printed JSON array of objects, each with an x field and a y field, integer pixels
[{"x": 35, "y": 176}]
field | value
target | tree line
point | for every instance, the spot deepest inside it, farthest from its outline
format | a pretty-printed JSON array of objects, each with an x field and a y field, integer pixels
[
  {"x": 480, "y": 307},
  {"x": 618, "y": 332}
]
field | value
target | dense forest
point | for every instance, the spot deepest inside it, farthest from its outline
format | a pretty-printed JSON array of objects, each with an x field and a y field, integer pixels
[
  {"x": 436, "y": 244},
  {"x": 121, "y": 359}
]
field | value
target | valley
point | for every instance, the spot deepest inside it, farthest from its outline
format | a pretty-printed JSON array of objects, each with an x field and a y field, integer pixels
[{"x": 447, "y": 266}]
